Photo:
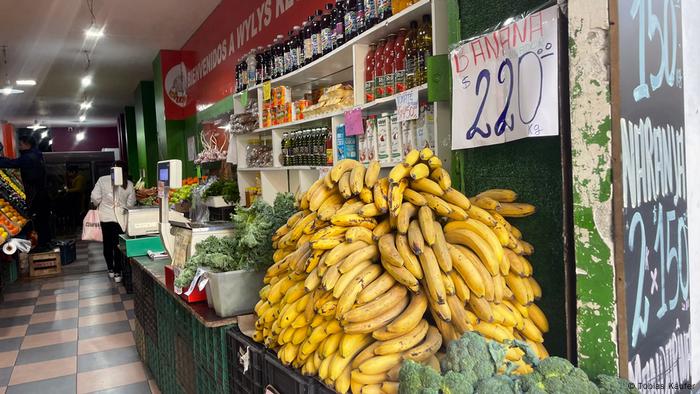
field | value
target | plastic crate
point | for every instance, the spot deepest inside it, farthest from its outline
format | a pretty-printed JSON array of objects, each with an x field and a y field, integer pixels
[
  {"x": 184, "y": 366},
  {"x": 127, "y": 277},
  {"x": 67, "y": 250},
  {"x": 285, "y": 379},
  {"x": 322, "y": 388},
  {"x": 245, "y": 362},
  {"x": 210, "y": 350},
  {"x": 183, "y": 323},
  {"x": 136, "y": 274},
  {"x": 140, "y": 340},
  {"x": 9, "y": 271},
  {"x": 152, "y": 358},
  {"x": 206, "y": 384}
]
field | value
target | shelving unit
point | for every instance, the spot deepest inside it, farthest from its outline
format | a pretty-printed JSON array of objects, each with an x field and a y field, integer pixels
[{"x": 343, "y": 65}]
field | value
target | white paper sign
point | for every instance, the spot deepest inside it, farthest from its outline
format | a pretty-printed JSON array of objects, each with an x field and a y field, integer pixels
[
  {"x": 505, "y": 83},
  {"x": 407, "y": 105}
]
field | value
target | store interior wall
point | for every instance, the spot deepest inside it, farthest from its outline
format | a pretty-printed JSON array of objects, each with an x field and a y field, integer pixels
[
  {"x": 691, "y": 88},
  {"x": 146, "y": 130},
  {"x": 532, "y": 167},
  {"x": 132, "y": 149},
  {"x": 96, "y": 138}
]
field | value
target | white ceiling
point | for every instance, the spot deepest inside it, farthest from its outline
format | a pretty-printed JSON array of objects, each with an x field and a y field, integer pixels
[{"x": 46, "y": 40}]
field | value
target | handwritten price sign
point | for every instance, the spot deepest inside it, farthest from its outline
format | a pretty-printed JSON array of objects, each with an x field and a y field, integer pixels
[
  {"x": 407, "y": 105},
  {"x": 505, "y": 83}
]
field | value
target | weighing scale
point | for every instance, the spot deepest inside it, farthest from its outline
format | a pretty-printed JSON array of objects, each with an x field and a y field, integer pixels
[{"x": 178, "y": 234}]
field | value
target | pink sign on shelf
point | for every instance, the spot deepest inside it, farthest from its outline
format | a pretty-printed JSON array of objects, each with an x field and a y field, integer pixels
[{"x": 353, "y": 122}]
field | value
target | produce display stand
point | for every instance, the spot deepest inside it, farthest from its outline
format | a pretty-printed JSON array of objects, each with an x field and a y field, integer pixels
[
  {"x": 184, "y": 345},
  {"x": 13, "y": 218},
  {"x": 344, "y": 64}
]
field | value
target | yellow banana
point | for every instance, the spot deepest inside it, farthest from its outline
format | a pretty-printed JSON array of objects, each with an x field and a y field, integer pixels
[
  {"x": 410, "y": 261},
  {"x": 330, "y": 278},
  {"x": 350, "y": 342},
  {"x": 459, "y": 315},
  {"x": 404, "y": 342},
  {"x": 456, "y": 197},
  {"x": 499, "y": 286},
  {"x": 364, "y": 355},
  {"x": 425, "y": 220},
  {"x": 351, "y": 220},
  {"x": 516, "y": 232},
  {"x": 501, "y": 195},
  {"x": 481, "y": 308},
  {"x": 437, "y": 204},
  {"x": 380, "y": 364},
  {"x": 377, "y": 322},
  {"x": 368, "y": 253},
  {"x": 349, "y": 296},
  {"x": 342, "y": 251},
  {"x": 415, "y": 238},
  {"x": 411, "y": 316},
  {"x": 369, "y": 211},
  {"x": 442, "y": 253},
  {"x": 387, "y": 249},
  {"x": 399, "y": 172},
  {"x": 441, "y": 312},
  {"x": 376, "y": 307},
  {"x": 328, "y": 232},
  {"x": 357, "y": 179},
  {"x": 328, "y": 243},
  {"x": 327, "y": 209},
  {"x": 344, "y": 185},
  {"x": 442, "y": 177},
  {"x": 431, "y": 270},
  {"x": 390, "y": 387},
  {"x": 383, "y": 227},
  {"x": 486, "y": 203},
  {"x": 527, "y": 247},
  {"x": 427, "y": 186},
  {"x": 461, "y": 287},
  {"x": 434, "y": 162},
  {"x": 456, "y": 213},
  {"x": 486, "y": 278},
  {"x": 531, "y": 332},
  {"x": 372, "y": 173},
  {"x": 380, "y": 199},
  {"x": 517, "y": 286},
  {"x": 359, "y": 233},
  {"x": 406, "y": 212},
  {"x": 516, "y": 210},
  {"x": 536, "y": 315},
  {"x": 402, "y": 275},
  {"x": 319, "y": 196},
  {"x": 536, "y": 289},
  {"x": 430, "y": 345},
  {"x": 414, "y": 197},
  {"x": 342, "y": 384},
  {"x": 492, "y": 331},
  {"x": 366, "y": 195},
  {"x": 449, "y": 284},
  {"x": 339, "y": 362},
  {"x": 350, "y": 206},
  {"x": 411, "y": 158},
  {"x": 482, "y": 248},
  {"x": 341, "y": 168},
  {"x": 348, "y": 276},
  {"x": 327, "y": 181},
  {"x": 367, "y": 379},
  {"x": 481, "y": 215},
  {"x": 426, "y": 153},
  {"x": 484, "y": 231},
  {"x": 378, "y": 287},
  {"x": 419, "y": 171}
]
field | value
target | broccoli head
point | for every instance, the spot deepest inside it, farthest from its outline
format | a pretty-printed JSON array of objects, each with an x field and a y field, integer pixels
[
  {"x": 458, "y": 383},
  {"x": 418, "y": 378},
  {"x": 497, "y": 384},
  {"x": 557, "y": 375},
  {"x": 474, "y": 353},
  {"x": 613, "y": 385}
]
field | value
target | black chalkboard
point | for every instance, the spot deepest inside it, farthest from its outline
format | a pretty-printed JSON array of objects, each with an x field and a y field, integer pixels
[{"x": 655, "y": 236}]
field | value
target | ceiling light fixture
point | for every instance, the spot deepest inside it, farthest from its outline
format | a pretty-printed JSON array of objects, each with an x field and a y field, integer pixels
[
  {"x": 80, "y": 136},
  {"x": 8, "y": 89},
  {"x": 82, "y": 118},
  {"x": 44, "y": 134},
  {"x": 36, "y": 126},
  {"x": 86, "y": 104},
  {"x": 51, "y": 141},
  {"x": 94, "y": 32},
  {"x": 86, "y": 81},
  {"x": 26, "y": 82}
]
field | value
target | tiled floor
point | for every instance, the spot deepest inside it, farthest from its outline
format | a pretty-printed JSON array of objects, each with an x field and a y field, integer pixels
[{"x": 70, "y": 334}]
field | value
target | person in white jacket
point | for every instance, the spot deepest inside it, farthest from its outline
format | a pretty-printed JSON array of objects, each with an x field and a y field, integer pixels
[{"x": 102, "y": 197}]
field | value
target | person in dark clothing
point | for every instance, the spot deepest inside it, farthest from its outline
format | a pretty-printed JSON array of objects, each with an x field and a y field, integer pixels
[{"x": 33, "y": 171}]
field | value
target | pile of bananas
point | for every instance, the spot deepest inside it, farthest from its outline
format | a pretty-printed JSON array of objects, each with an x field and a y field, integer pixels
[{"x": 359, "y": 266}]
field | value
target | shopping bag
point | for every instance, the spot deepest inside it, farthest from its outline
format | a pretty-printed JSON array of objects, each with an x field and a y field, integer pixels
[{"x": 91, "y": 226}]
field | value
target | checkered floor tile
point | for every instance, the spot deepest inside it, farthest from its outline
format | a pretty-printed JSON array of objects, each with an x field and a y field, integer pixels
[{"x": 70, "y": 334}]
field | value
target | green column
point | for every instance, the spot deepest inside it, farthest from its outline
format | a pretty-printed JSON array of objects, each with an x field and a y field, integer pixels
[
  {"x": 146, "y": 130},
  {"x": 131, "y": 142}
]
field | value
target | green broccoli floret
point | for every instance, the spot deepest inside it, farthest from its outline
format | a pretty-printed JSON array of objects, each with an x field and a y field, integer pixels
[
  {"x": 613, "y": 385},
  {"x": 497, "y": 384},
  {"x": 458, "y": 383},
  {"x": 474, "y": 353},
  {"x": 557, "y": 375},
  {"x": 418, "y": 378}
]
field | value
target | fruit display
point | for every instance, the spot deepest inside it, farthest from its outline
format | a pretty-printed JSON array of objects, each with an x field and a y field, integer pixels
[
  {"x": 184, "y": 193},
  {"x": 372, "y": 271},
  {"x": 12, "y": 191}
]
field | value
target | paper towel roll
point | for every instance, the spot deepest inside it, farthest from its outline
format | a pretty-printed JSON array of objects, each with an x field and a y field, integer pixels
[{"x": 9, "y": 248}]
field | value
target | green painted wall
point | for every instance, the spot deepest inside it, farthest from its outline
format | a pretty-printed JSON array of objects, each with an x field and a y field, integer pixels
[
  {"x": 163, "y": 134},
  {"x": 131, "y": 142},
  {"x": 220, "y": 107},
  {"x": 533, "y": 168},
  {"x": 146, "y": 130}
]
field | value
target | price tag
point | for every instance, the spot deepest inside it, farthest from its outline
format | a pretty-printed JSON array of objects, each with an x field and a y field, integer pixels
[
  {"x": 267, "y": 90},
  {"x": 407, "y": 105},
  {"x": 353, "y": 122},
  {"x": 323, "y": 171},
  {"x": 244, "y": 98}
]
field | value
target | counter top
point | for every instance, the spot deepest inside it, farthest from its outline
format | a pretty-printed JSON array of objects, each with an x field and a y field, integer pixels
[{"x": 200, "y": 310}]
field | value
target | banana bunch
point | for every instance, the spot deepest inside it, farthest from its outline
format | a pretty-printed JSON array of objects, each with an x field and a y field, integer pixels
[{"x": 372, "y": 271}]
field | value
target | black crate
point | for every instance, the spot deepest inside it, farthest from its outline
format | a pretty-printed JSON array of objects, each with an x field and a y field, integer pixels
[
  {"x": 185, "y": 369},
  {"x": 222, "y": 214},
  {"x": 246, "y": 359},
  {"x": 136, "y": 274},
  {"x": 67, "y": 250},
  {"x": 322, "y": 388},
  {"x": 127, "y": 277},
  {"x": 285, "y": 379}
]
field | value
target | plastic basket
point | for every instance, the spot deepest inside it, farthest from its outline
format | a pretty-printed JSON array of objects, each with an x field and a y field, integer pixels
[
  {"x": 127, "y": 277},
  {"x": 206, "y": 384},
  {"x": 184, "y": 365},
  {"x": 210, "y": 350},
  {"x": 285, "y": 379},
  {"x": 152, "y": 359},
  {"x": 245, "y": 362},
  {"x": 140, "y": 340}
]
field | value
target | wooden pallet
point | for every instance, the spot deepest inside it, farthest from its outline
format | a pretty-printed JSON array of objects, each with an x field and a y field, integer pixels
[{"x": 44, "y": 264}]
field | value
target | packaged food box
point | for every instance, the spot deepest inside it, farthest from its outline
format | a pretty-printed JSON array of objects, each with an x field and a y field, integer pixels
[
  {"x": 395, "y": 145},
  {"x": 383, "y": 136}
]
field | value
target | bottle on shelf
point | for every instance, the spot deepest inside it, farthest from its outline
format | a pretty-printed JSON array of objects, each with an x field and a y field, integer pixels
[
  {"x": 308, "y": 47},
  {"x": 383, "y": 10},
  {"x": 327, "y": 30},
  {"x": 283, "y": 149},
  {"x": 369, "y": 73},
  {"x": 338, "y": 33},
  {"x": 259, "y": 66},
  {"x": 360, "y": 16},
  {"x": 379, "y": 70},
  {"x": 424, "y": 48},
  {"x": 400, "y": 61},
  {"x": 371, "y": 14},
  {"x": 389, "y": 58},
  {"x": 244, "y": 74},
  {"x": 287, "y": 54},
  {"x": 316, "y": 35},
  {"x": 350, "y": 19},
  {"x": 268, "y": 58},
  {"x": 328, "y": 144},
  {"x": 411, "y": 49},
  {"x": 296, "y": 49},
  {"x": 251, "y": 66},
  {"x": 279, "y": 56}
]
